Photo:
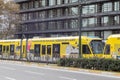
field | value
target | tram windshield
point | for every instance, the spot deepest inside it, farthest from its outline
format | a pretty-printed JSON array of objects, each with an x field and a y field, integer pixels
[{"x": 97, "y": 46}]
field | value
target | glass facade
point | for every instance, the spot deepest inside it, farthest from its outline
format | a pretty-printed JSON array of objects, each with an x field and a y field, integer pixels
[{"x": 60, "y": 15}]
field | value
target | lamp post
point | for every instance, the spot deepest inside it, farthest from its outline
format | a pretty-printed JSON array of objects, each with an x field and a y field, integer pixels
[{"x": 80, "y": 26}]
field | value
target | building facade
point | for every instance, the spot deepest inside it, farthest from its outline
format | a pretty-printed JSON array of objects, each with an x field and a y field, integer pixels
[{"x": 52, "y": 18}]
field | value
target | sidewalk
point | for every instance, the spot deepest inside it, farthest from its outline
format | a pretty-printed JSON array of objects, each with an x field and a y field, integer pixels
[{"x": 117, "y": 74}]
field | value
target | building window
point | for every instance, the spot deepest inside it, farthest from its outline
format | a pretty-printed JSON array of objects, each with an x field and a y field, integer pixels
[
  {"x": 59, "y": 12},
  {"x": 89, "y": 22},
  {"x": 36, "y": 27},
  {"x": 51, "y": 25},
  {"x": 85, "y": 10},
  {"x": 24, "y": 16},
  {"x": 117, "y": 6},
  {"x": 60, "y": 25},
  {"x": 106, "y": 34},
  {"x": 52, "y": 2},
  {"x": 42, "y": 26},
  {"x": 107, "y": 7},
  {"x": 66, "y": 24},
  {"x": 64, "y": 12},
  {"x": 105, "y": 21},
  {"x": 74, "y": 11},
  {"x": 43, "y": 3},
  {"x": 92, "y": 22},
  {"x": 116, "y": 20},
  {"x": 30, "y": 4},
  {"x": 42, "y": 14},
  {"x": 24, "y": 6},
  {"x": 88, "y": 33},
  {"x": 50, "y": 13},
  {"x": 74, "y": 24},
  {"x": 89, "y": 9},
  {"x": 92, "y": 9},
  {"x": 36, "y": 4},
  {"x": 67, "y": 1},
  {"x": 85, "y": 22},
  {"x": 58, "y": 2}
]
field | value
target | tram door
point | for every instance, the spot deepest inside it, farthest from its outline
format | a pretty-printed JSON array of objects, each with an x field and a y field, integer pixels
[
  {"x": 46, "y": 52},
  {"x": 49, "y": 51},
  {"x": 56, "y": 51}
]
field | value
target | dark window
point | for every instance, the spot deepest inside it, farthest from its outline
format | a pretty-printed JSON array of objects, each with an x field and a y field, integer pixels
[
  {"x": 43, "y": 49},
  {"x": 56, "y": 50},
  {"x": 37, "y": 49},
  {"x": 7, "y": 48},
  {"x": 3, "y": 48},
  {"x": 107, "y": 49},
  {"x": 0, "y": 48},
  {"x": 85, "y": 49},
  {"x": 49, "y": 49},
  {"x": 12, "y": 48}
]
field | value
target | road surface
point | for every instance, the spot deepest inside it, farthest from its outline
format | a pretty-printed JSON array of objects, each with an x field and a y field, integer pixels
[{"x": 16, "y": 71}]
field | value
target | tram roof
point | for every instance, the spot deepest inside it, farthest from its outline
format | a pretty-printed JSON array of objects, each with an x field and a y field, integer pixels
[{"x": 114, "y": 36}]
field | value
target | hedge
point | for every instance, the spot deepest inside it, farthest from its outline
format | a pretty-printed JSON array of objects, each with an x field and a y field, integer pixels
[{"x": 93, "y": 63}]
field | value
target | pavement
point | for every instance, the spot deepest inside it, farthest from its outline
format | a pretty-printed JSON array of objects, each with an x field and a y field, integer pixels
[{"x": 117, "y": 74}]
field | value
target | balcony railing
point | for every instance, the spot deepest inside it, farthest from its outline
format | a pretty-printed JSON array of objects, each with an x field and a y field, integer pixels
[{"x": 17, "y": 1}]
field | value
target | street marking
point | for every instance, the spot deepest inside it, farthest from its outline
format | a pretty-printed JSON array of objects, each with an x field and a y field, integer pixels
[
  {"x": 35, "y": 72},
  {"x": 7, "y": 68},
  {"x": 67, "y": 78},
  {"x": 10, "y": 78}
]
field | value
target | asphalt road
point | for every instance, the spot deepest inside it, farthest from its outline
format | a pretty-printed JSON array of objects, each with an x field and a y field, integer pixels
[{"x": 16, "y": 71}]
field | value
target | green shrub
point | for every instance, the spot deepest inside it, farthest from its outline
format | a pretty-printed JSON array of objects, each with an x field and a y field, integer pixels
[{"x": 92, "y": 63}]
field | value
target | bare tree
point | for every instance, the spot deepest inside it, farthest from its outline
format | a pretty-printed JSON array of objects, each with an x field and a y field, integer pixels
[{"x": 9, "y": 19}]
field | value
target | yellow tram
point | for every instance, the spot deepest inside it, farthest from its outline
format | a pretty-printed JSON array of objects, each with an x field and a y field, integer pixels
[{"x": 54, "y": 48}]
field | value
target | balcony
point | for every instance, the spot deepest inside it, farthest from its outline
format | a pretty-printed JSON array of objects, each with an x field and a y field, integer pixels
[
  {"x": 101, "y": 14},
  {"x": 85, "y": 2},
  {"x": 49, "y": 19},
  {"x": 17, "y": 1},
  {"x": 99, "y": 28}
]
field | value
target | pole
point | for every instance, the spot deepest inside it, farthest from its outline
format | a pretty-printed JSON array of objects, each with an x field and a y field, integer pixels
[
  {"x": 21, "y": 47},
  {"x": 80, "y": 26},
  {"x": 21, "y": 44}
]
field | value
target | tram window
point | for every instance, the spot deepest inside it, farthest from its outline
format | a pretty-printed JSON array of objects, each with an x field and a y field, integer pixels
[
  {"x": 56, "y": 50},
  {"x": 49, "y": 49},
  {"x": 7, "y": 48},
  {"x": 107, "y": 49},
  {"x": 85, "y": 49},
  {"x": 37, "y": 49},
  {"x": 11, "y": 48},
  {"x": 43, "y": 49},
  {"x": 3, "y": 48},
  {"x": 0, "y": 48}
]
